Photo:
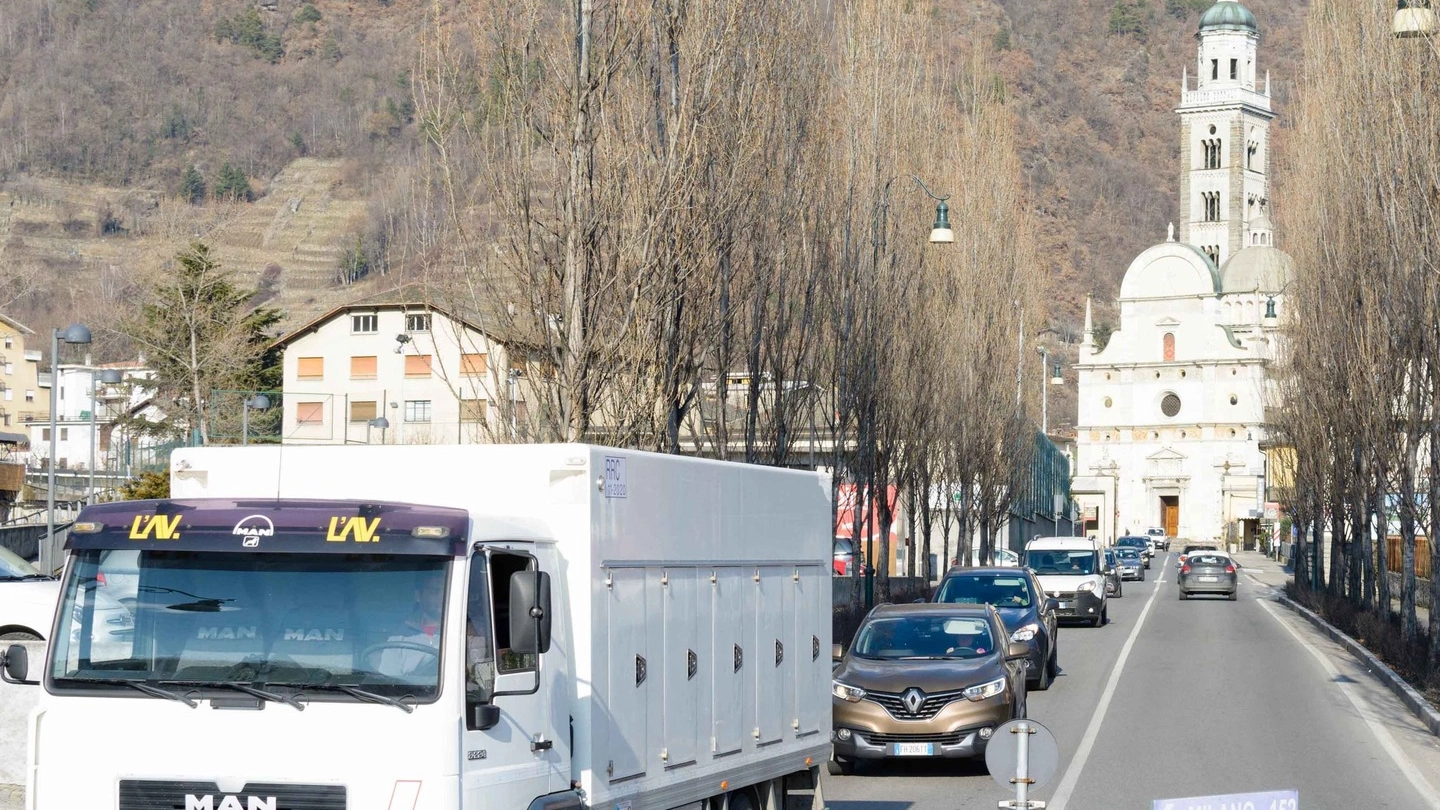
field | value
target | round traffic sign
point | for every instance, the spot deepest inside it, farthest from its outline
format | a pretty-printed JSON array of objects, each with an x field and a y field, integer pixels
[{"x": 1002, "y": 754}]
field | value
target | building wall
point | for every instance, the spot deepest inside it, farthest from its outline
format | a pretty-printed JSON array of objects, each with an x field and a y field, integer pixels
[{"x": 342, "y": 397}]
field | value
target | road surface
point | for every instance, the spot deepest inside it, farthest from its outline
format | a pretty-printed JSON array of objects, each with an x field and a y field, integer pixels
[{"x": 1198, "y": 698}]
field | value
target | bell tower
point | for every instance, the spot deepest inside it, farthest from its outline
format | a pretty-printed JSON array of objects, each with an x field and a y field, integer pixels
[{"x": 1224, "y": 130}]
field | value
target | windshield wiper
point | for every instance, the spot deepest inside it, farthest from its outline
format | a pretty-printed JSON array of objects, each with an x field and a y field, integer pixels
[
  {"x": 24, "y": 577},
  {"x": 140, "y": 686},
  {"x": 288, "y": 700},
  {"x": 355, "y": 692}
]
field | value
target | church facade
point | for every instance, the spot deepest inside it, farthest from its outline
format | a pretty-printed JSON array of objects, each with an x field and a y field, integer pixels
[{"x": 1172, "y": 407}]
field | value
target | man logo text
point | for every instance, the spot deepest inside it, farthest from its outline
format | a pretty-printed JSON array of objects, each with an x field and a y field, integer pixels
[
  {"x": 362, "y": 530},
  {"x": 193, "y": 802},
  {"x": 162, "y": 526}
]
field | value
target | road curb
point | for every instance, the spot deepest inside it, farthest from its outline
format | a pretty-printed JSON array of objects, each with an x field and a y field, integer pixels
[{"x": 1408, "y": 694}]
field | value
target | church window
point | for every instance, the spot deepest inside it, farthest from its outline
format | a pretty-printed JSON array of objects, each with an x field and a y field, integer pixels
[
  {"x": 1214, "y": 68},
  {"x": 1170, "y": 405},
  {"x": 1109, "y": 402},
  {"x": 1182, "y": 373},
  {"x": 1213, "y": 251},
  {"x": 1232, "y": 433},
  {"x": 1211, "y": 201},
  {"x": 1234, "y": 400},
  {"x": 1234, "y": 69},
  {"x": 1168, "y": 344},
  {"x": 1212, "y": 149},
  {"x": 1251, "y": 152},
  {"x": 1155, "y": 435}
]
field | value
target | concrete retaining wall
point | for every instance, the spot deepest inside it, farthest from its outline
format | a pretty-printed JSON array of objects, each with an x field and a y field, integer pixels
[{"x": 15, "y": 704}]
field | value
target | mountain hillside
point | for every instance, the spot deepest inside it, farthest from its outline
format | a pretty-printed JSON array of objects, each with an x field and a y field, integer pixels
[{"x": 104, "y": 105}]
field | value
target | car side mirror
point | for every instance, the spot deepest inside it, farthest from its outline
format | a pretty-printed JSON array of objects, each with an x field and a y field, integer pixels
[
  {"x": 837, "y": 651},
  {"x": 1052, "y": 605},
  {"x": 15, "y": 665},
  {"x": 1016, "y": 651},
  {"x": 484, "y": 716}
]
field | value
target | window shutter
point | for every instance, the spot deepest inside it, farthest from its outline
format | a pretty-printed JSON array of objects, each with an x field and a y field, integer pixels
[
  {"x": 310, "y": 413},
  {"x": 473, "y": 364},
  {"x": 311, "y": 368},
  {"x": 362, "y": 411},
  {"x": 362, "y": 368},
  {"x": 417, "y": 365}
]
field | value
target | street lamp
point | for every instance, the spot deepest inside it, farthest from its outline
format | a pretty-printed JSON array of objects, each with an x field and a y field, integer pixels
[
  {"x": 1413, "y": 18},
  {"x": 77, "y": 334},
  {"x": 1055, "y": 379},
  {"x": 108, "y": 376},
  {"x": 378, "y": 422},
  {"x": 258, "y": 402}
]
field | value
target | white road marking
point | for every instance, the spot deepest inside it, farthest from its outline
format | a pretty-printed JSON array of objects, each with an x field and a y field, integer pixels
[
  {"x": 1362, "y": 708},
  {"x": 1082, "y": 753}
]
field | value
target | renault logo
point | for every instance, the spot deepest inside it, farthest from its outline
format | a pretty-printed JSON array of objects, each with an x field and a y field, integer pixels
[{"x": 913, "y": 699}]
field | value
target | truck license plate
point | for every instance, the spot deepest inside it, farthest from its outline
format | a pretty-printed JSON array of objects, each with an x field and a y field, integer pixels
[
  {"x": 1209, "y": 579},
  {"x": 914, "y": 749}
]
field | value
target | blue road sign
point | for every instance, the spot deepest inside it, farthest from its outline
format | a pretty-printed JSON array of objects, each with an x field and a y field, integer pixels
[{"x": 1272, "y": 800}]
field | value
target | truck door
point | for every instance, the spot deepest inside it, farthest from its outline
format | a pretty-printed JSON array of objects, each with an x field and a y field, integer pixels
[{"x": 521, "y": 756}]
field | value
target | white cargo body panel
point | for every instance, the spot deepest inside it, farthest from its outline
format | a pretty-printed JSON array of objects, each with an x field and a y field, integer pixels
[{"x": 692, "y": 601}]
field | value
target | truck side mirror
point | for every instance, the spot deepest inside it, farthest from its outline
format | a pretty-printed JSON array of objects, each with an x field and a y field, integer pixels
[
  {"x": 530, "y": 612},
  {"x": 15, "y": 665},
  {"x": 484, "y": 716}
]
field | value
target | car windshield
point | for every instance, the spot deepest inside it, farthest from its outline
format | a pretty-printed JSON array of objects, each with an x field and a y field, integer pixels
[
  {"x": 1133, "y": 541},
  {"x": 925, "y": 636},
  {"x": 1061, "y": 561},
  {"x": 1127, "y": 554},
  {"x": 267, "y": 620},
  {"x": 979, "y": 589},
  {"x": 12, "y": 566}
]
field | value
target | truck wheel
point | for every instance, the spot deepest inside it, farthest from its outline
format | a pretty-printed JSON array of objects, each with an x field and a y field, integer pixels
[
  {"x": 837, "y": 767},
  {"x": 744, "y": 799}
]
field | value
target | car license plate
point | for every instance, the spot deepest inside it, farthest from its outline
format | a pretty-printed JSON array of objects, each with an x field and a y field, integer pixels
[
  {"x": 914, "y": 749},
  {"x": 1064, "y": 605},
  {"x": 1209, "y": 579}
]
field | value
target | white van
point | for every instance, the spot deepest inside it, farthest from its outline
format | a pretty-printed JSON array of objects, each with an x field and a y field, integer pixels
[{"x": 1070, "y": 571}]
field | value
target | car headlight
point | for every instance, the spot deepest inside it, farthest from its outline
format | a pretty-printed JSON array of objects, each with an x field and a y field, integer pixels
[
  {"x": 1086, "y": 586},
  {"x": 846, "y": 692},
  {"x": 1025, "y": 633},
  {"x": 986, "y": 690}
]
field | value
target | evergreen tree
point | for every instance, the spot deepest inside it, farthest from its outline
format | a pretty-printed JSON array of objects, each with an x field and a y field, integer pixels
[
  {"x": 192, "y": 185},
  {"x": 232, "y": 184},
  {"x": 1128, "y": 17},
  {"x": 201, "y": 335}
]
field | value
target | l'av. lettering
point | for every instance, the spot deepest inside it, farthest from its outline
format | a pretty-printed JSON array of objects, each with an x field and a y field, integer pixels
[
  {"x": 362, "y": 530},
  {"x": 163, "y": 527}
]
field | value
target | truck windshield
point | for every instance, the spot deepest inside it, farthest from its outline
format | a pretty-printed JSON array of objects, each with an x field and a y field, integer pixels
[{"x": 275, "y": 621}]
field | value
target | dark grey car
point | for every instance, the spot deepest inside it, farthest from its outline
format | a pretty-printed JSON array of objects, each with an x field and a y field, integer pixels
[
  {"x": 1208, "y": 572},
  {"x": 1110, "y": 567},
  {"x": 1028, "y": 614}
]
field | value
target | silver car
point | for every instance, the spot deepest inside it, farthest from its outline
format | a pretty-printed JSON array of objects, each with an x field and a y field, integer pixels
[{"x": 1208, "y": 572}]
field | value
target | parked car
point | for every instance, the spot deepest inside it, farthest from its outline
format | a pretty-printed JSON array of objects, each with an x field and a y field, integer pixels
[
  {"x": 925, "y": 681},
  {"x": 1113, "y": 584},
  {"x": 1158, "y": 537},
  {"x": 27, "y": 599},
  {"x": 1070, "y": 571},
  {"x": 1140, "y": 544},
  {"x": 1132, "y": 564},
  {"x": 1028, "y": 614},
  {"x": 1208, "y": 572}
]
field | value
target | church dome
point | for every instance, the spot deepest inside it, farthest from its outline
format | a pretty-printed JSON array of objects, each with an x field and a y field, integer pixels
[
  {"x": 1228, "y": 15},
  {"x": 1264, "y": 269}
]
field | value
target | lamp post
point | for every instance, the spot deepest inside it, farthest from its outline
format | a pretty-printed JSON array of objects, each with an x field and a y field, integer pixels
[
  {"x": 77, "y": 334},
  {"x": 108, "y": 376},
  {"x": 258, "y": 402},
  {"x": 1055, "y": 379},
  {"x": 378, "y": 422},
  {"x": 512, "y": 377},
  {"x": 1413, "y": 18}
]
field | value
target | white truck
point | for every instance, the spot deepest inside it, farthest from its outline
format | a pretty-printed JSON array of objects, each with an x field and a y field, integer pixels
[{"x": 426, "y": 627}]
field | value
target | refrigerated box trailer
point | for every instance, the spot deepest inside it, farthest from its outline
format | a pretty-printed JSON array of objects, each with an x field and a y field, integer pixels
[{"x": 426, "y": 627}]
